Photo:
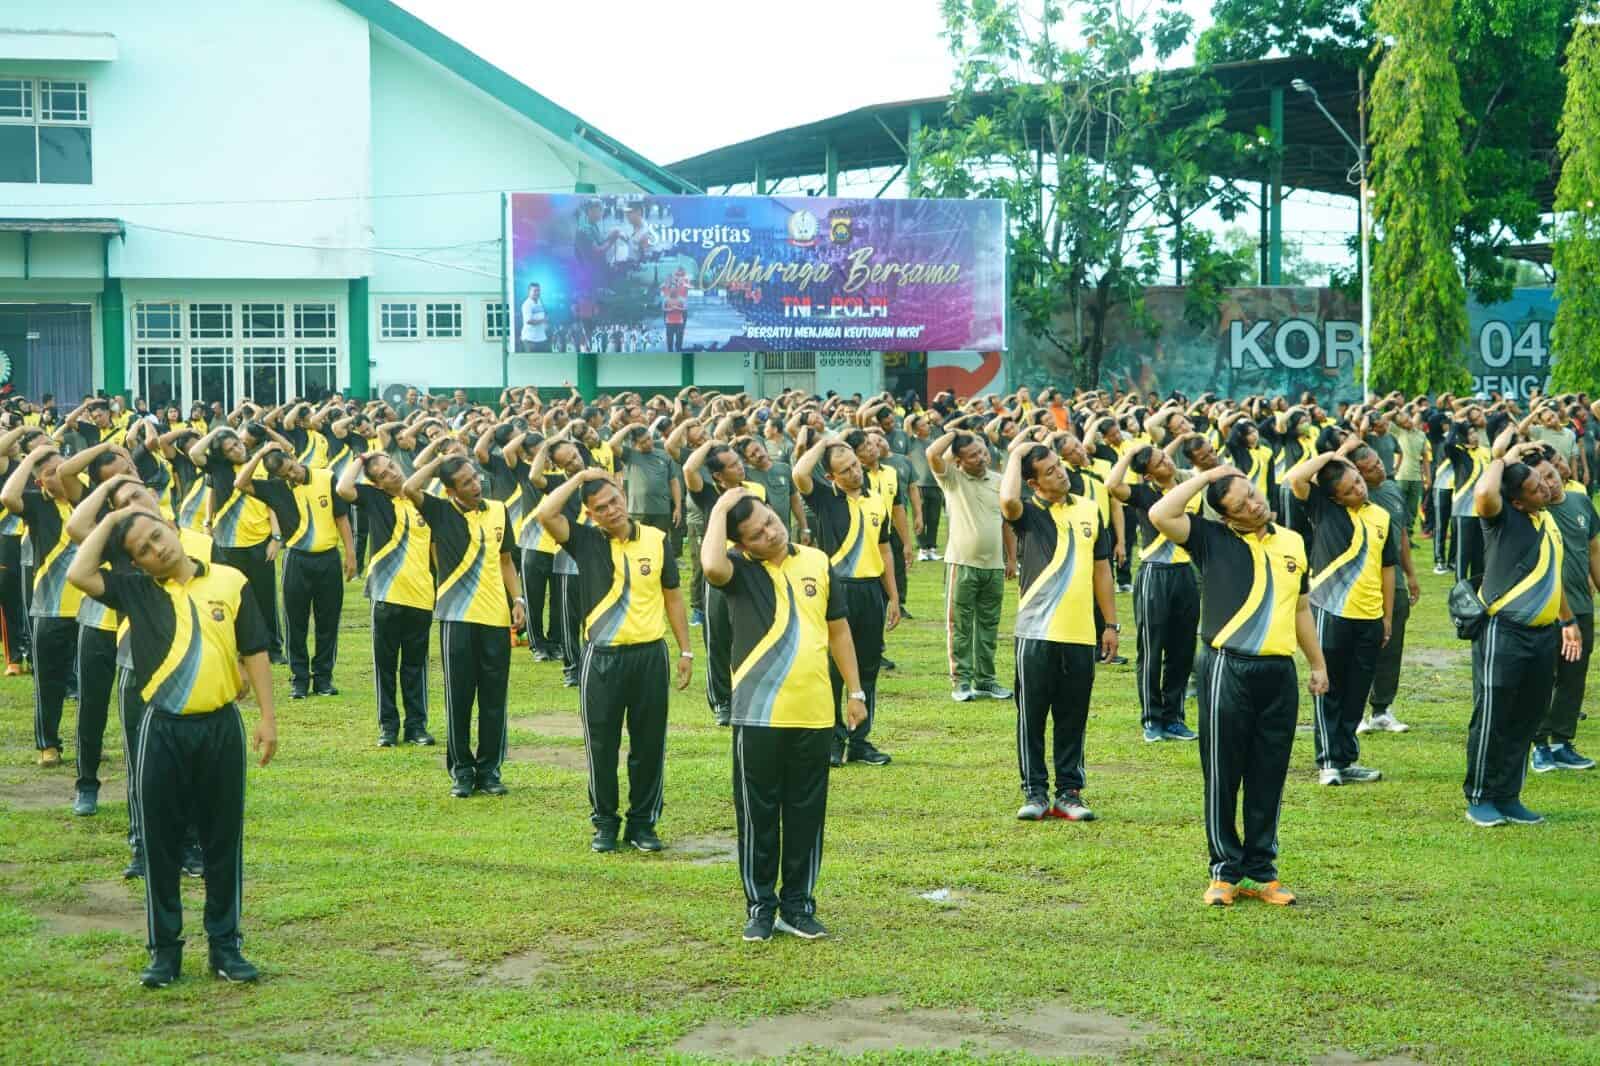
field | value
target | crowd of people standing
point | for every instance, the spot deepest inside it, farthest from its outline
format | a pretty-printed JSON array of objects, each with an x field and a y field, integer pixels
[{"x": 143, "y": 557}]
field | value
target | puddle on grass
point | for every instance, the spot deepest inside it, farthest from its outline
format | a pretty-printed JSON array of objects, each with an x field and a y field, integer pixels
[
  {"x": 1048, "y": 1031},
  {"x": 523, "y": 968}
]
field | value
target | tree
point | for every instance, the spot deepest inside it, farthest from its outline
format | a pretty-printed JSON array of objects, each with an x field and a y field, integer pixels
[
  {"x": 1298, "y": 268},
  {"x": 1576, "y": 338},
  {"x": 1097, "y": 160},
  {"x": 1506, "y": 55},
  {"x": 1419, "y": 321}
]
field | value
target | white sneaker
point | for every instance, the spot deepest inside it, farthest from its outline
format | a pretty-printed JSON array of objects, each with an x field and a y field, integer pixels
[
  {"x": 1330, "y": 776},
  {"x": 1441, "y": 570},
  {"x": 934, "y": 556},
  {"x": 922, "y": 555},
  {"x": 1388, "y": 723},
  {"x": 1366, "y": 726},
  {"x": 1359, "y": 775}
]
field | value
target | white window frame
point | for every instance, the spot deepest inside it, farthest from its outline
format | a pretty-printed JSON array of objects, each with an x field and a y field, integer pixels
[
  {"x": 491, "y": 309},
  {"x": 252, "y": 355},
  {"x": 409, "y": 309},
  {"x": 327, "y": 355},
  {"x": 36, "y": 118},
  {"x": 301, "y": 310},
  {"x": 450, "y": 323},
  {"x": 247, "y": 330}
]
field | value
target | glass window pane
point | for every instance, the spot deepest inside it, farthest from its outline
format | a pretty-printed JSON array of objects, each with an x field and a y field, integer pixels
[
  {"x": 16, "y": 98},
  {"x": 161, "y": 322},
  {"x": 211, "y": 376},
  {"x": 316, "y": 372},
  {"x": 64, "y": 155},
  {"x": 19, "y": 161},
  {"x": 210, "y": 321},
  {"x": 315, "y": 320},
  {"x": 262, "y": 321},
  {"x": 398, "y": 321},
  {"x": 63, "y": 101},
  {"x": 160, "y": 375},
  {"x": 444, "y": 320},
  {"x": 264, "y": 375}
]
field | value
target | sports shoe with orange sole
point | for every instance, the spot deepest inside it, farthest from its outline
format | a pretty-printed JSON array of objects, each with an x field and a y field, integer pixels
[
  {"x": 13, "y": 669},
  {"x": 1220, "y": 894},
  {"x": 1272, "y": 892},
  {"x": 50, "y": 757}
]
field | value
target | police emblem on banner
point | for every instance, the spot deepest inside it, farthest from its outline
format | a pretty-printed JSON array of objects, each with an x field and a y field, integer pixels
[{"x": 839, "y": 226}]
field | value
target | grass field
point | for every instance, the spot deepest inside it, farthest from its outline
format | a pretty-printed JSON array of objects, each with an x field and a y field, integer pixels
[{"x": 393, "y": 923}]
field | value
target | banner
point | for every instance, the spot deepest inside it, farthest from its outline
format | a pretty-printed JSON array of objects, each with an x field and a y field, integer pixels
[
  {"x": 1287, "y": 339},
  {"x": 636, "y": 273}
]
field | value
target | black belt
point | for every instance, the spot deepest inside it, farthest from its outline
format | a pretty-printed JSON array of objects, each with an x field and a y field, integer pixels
[{"x": 167, "y": 715}]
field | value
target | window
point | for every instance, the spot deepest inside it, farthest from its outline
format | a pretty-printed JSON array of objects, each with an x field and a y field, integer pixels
[
  {"x": 315, "y": 321},
  {"x": 444, "y": 320},
  {"x": 211, "y": 376},
  {"x": 211, "y": 321},
  {"x": 44, "y": 132},
  {"x": 397, "y": 322},
  {"x": 496, "y": 324},
  {"x": 265, "y": 375},
  {"x": 262, "y": 321},
  {"x": 159, "y": 371},
  {"x": 157, "y": 322},
  {"x": 316, "y": 371}
]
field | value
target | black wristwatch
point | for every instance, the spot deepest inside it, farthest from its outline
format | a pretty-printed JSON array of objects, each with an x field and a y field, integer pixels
[
  {"x": 1115, "y": 627},
  {"x": 1569, "y": 622}
]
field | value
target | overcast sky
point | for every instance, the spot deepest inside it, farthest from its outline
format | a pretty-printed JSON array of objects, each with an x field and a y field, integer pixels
[{"x": 673, "y": 80}]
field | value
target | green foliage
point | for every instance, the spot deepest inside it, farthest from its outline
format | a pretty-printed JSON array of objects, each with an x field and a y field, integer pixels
[
  {"x": 1297, "y": 267},
  {"x": 1098, "y": 161},
  {"x": 1419, "y": 321},
  {"x": 1576, "y": 340},
  {"x": 1506, "y": 56}
]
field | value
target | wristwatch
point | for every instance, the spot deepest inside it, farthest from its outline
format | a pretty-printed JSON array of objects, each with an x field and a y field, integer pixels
[
  {"x": 1569, "y": 622},
  {"x": 1115, "y": 627},
  {"x": 862, "y": 696},
  {"x": 686, "y": 655}
]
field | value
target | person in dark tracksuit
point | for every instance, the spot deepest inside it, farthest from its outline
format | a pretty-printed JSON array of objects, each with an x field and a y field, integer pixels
[
  {"x": 1166, "y": 597},
  {"x": 15, "y": 593},
  {"x": 1515, "y": 651},
  {"x": 727, "y": 472},
  {"x": 191, "y": 625},
  {"x": 400, "y": 588},
  {"x": 851, "y": 524},
  {"x": 315, "y": 522},
  {"x": 36, "y": 491},
  {"x": 788, "y": 626},
  {"x": 1387, "y": 493},
  {"x": 1575, "y": 517},
  {"x": 1064, "y": 548},
  {"x": 558, "y": 459},
  {"x": 1254, "y": 610},
  {"x": 244, "y": 528},
  {"x": 1464, "y": 451},
  {"x": 626, "y": 594},
  {"x": 1354, "y": 552},
  {"x": 474, "y": 583}
]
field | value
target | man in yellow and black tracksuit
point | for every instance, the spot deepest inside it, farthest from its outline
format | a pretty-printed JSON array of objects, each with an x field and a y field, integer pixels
[
  {"x": 852, "y": 526},
  {"x": 626, "y": 591},
  {"x": 1255, "y": 609},
  {"x": 191, "y": 625},
  {"x": 1354, "y": 553},
  {"x": 474, "y": 582},
  {"x": 241, "y": 525},
  {"x": 1465, "y": 453},
  {"x": 788, "y": 623},
  {"x": 314, "y": 521},
  {"x": 727, "y": 472},
  {"x": 1528, "y": 625},
  {"x": 400, "y": 588},
  {"x": 1064, "y": 552}
]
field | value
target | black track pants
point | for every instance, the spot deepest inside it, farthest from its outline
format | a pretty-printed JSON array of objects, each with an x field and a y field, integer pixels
[
  {"x": 400, "y": 651},
  {"x": 55, "y": 646},
  {"x": 1248, "y": 707},
  {"x": 718, "y": 628},
  {"x": 97, "y": 672},
  {"x": 1513, "y": 672},
  {"x": 866, "y": 604},
  {"x": 780, "y": 797},
  {"x": 536, "y": 568},
  {"x": 313, "y": 592},
  {"x": 621, "y": 685},
  {"x": 932, "y": 511},
  {"x": 1166, "y": 612},
  {"x": 477, "y": 663},
  {"x": 1386, "y": 682},
  {"x": 1054, "y": 682},
  {"x": 1561, "y": 722},
  {"x": 253, "y": 564},
  {"x": 1350, "y": 647}
]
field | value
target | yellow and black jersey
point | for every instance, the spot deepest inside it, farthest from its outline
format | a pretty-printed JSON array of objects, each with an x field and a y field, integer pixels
[
  {"x": 1349, "y": 550},
  {"x": 399, "y": 571},
  {"x": 240, "y": 520},
  {"x": 53, "y": 551},
  {"x": 187, "y": 637},
  {"x": 310, "y": 445},
  {"x": 190, "y": 512},
  {"x": 885, "y": 481},
  {"x": 849, "y": 528},
  {"x": 1522, "y": 559},
  {"x": 780, "y": 614},
  {"x": 196, "y": 545},
  {"x": 1057, "y": 546},
  {"x": 620, "y": 583},
  {"x": 1090, "y": 481},
  {"x": 342, "y": 449},
  {"x": 705, "y": 497},
  {"x": 1466, "y": 465},
  {"x": 1260, "y": 467},
  {"x": 1253, "y": 585},
  {"x": 10, "y": 524},
  {"x": 604, "y": 457},
  {"x": 467, "y": 546},
  {"x": 306, "y": 512},
  {"x": 1157, "y": 548}
]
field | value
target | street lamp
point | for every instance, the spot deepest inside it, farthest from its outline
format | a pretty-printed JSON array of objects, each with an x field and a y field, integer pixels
[{"x": 1300, "y": 85}]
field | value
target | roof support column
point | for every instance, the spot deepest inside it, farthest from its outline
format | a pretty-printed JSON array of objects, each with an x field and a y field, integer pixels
[
  {"x": 1265, "y": 236},
  {"x": 913, "y": 149},
  {"x": 830, "y": 168},
  {"x": 113, "y": 342},
  {"x": 1275, "y": 260},
  {"x": 761, "y": 178}
]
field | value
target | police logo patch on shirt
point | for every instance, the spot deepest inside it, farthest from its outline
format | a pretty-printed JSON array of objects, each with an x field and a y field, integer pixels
[
  {"x": 810, "y": 585},
  {"x": 219, "y": 611},
  {"x": 644, "y": 566},
  {"x": 1289, "y": 565},
  {"x": 322, "y": 501},
  {"x": 1088, "y": 530}
]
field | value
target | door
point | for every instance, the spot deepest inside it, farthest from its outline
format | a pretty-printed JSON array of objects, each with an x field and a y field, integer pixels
[{"x": 51, "y": 348}]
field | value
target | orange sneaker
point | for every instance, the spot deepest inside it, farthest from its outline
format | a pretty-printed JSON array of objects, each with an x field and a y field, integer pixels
[
  {"x": 1220, "y": 894},
  {"x": 13, "y": 669},
  {"x": 1272, "y": 892},
  {"x": 50, "y": 757}
]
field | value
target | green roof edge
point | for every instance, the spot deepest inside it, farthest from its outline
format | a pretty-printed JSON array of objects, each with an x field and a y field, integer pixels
[{"x": 474, "y": 69}]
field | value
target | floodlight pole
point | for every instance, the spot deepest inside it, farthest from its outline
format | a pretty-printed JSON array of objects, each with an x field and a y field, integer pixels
[{"x": 1365, "y": 210}]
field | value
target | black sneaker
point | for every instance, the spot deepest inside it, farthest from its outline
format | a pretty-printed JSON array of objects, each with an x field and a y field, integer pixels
[
  {"x": 489, "y": 784},
  {"x": 907, "y": 614},
  {"x": 194, "y": 860},
  {"x": 759, "y": 927},
  {"x": 226, "y": 962},
  {"x": 421, "y": 740},
  {"x": 604, "y": 839},
  {"x": 804, "y": 926},
  {"x": 835, "y": 753},
  {"x": 865, "y": 752},
  {"x": 887, "y": 663},
  {"x": 385, "y": 740},
  {"x": 86, "y": 803},
  {"x": 297, "y": 692},
  {"x": 644, "y": 838},
  {"x": 165, "y": 966},
  {"x": 722, "y": 715},
  {"x": 277, "y": 658},
  {"x": 135, "y": 867},
  {"x": 461, "y": 787},
  {"x": 325, "y": 690}
]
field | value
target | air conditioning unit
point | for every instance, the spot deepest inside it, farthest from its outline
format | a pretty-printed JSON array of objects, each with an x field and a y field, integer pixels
[{"x": 394, "y": 393}]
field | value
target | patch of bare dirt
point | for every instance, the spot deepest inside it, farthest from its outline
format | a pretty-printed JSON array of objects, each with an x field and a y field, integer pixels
[
  {"x": 560, "y": 758},
  {"x": 1348, "y": 1058},
  {"x": 1049, "y": 1030},
  {"x": 551, "y": 725},
  {"x": 523, "y": 968},
  {"x": 480, "y": 1057},
  {"x": 44, "y": 791},
  {"x": 704, "y": 850},
  {"x": 436, "y": 959},
  {"x": 1437, "y": 658},
  {"x": 107, "y": 907}
]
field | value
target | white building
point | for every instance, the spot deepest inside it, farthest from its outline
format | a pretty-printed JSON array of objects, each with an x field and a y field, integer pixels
[{"x": 199, "y": 202}]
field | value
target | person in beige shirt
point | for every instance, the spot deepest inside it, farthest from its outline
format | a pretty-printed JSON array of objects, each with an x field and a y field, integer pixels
[{"x": 979, "y": 557}]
